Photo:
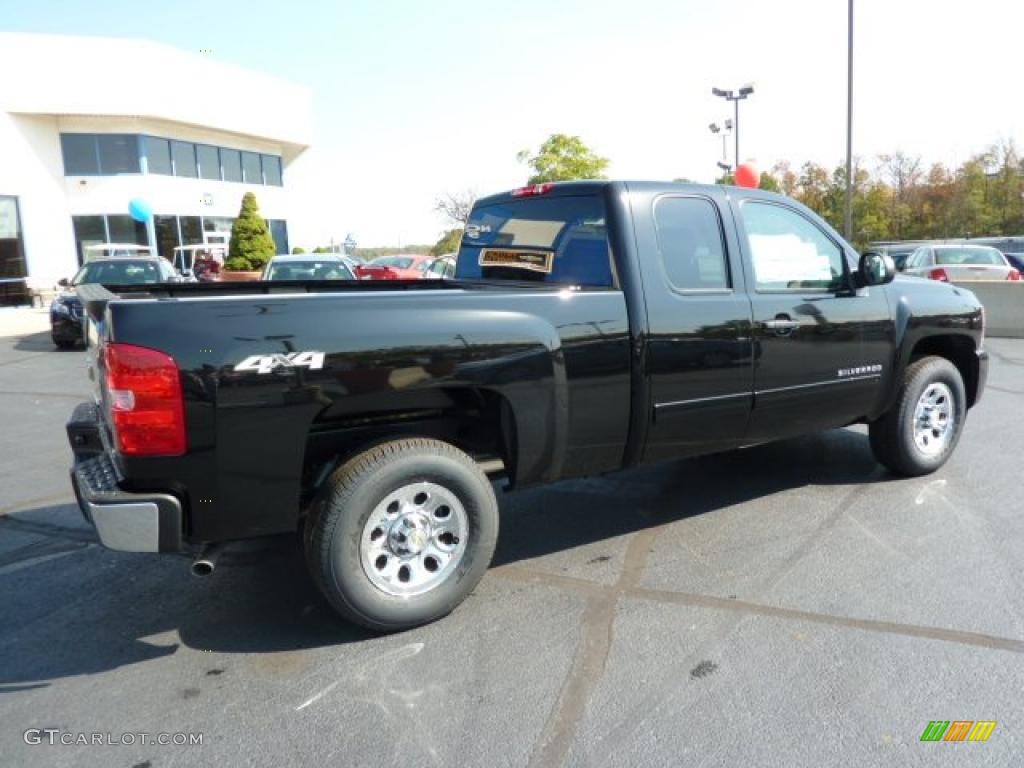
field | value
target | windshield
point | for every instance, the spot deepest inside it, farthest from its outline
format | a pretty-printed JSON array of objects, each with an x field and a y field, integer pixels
[
  {"x": 561, "y": 240},
  {"x": 122, "y": 272},
  {"x": 954, "y": 256},
  {"x": 399, "y": 262},
  {"x": 308, "y": 270}
]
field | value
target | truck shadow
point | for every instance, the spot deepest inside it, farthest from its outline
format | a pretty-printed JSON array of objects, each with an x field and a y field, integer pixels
[
  {"x": 536, "y": 524},
  {"x": 74, "y": 608}
]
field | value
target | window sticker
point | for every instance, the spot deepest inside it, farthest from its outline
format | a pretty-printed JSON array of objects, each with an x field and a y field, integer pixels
[
  {"x": 532, "y": 261},
  {"x": 787, "y": 258}
]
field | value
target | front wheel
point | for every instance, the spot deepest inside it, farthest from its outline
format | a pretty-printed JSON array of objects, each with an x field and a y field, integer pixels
[
  {"x": 402, "y": 533},
  {"x": 918, "y": 434}
]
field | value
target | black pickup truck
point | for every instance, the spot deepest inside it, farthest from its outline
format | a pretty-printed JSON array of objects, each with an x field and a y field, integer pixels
[{"x": 590, "y": 327}]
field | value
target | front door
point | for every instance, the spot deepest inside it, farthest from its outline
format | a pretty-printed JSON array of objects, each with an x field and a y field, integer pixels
[{"x": 811, "y": 366}]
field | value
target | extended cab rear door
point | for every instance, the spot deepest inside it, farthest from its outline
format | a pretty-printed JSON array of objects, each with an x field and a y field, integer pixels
[{"x": 699, "y": 352}]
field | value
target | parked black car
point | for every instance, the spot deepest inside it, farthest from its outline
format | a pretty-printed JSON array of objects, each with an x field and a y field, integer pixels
[
  {"x": 66, "y": 308},
  {"x": 1016, "y": 261},
  {"x": 590, "y": 327}
]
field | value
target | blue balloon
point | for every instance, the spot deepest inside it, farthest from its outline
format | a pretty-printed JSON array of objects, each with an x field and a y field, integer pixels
[{"x": 140, "y": 210}]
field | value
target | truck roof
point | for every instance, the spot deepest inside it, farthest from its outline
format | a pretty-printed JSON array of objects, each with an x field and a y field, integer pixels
[{"x": 569, "y": 188}]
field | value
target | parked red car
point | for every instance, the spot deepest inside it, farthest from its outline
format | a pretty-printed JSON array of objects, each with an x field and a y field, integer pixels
[{"x": 406, "y": 266}]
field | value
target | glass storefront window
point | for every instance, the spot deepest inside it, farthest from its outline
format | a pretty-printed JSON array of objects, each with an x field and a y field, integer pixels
[
  {"x": 12, "y": 254},
  {"x": 251, "y": 172},
  {"x": 184, "y": 154},
  {"x": 89, "y": 230},
  {"x": 92, "y": 154},
  {"x": 217, "y": 223},
  {"x": 272, "y": 170},
  {"x": 279, "y": 231},
  {"x": 231, "y": 162},
  {"x": 191, "y": 230},
  {"x": 79, "y": 150},
  {"x": 166, "y": 235},
  {"x": 119, "y": 153},
  {"x": 125, "y": 229},
  {"x": 209, "y": 164},
  {"x": 158, "y": 155}
]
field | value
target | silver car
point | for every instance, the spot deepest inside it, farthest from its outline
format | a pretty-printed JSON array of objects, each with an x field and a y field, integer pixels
[{"x": 960, "y": 263}]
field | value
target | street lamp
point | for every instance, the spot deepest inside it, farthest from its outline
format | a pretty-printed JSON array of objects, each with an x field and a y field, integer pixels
[
  {"x": 848, "y": 206},
  {"x": 735, "y": 97},
  {"x": 725, "y": 129}
]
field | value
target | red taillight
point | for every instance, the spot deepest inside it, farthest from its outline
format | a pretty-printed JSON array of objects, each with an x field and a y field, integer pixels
[
  {"x": 939, "y": 274},
  {"x": 144, "y": 397},
  {"x": 1014, "y": 275},
  {"x": 533, "y": 190}
]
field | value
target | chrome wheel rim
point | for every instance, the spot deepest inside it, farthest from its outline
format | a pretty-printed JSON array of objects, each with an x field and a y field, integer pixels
[
  {"x": 933, "y": 419},
  {"x": 414, "y": 539}
]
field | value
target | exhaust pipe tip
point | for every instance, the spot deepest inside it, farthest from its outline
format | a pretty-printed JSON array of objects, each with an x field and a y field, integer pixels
[{"x": 206, "y": 560}]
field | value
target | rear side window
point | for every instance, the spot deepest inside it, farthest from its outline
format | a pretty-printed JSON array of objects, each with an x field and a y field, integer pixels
[
  {"x": 555, "y": 240},
  {"x": 690, "y": 242}
]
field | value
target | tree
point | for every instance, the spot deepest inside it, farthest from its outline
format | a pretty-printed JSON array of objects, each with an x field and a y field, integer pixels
[
  {"x": 298, "y": 249},
  {"x": 769, "y": 182},
  {"x": 456, "y": 206},
  {"x": 449, "y": 242},
  {"x": 563, "y": 158},
  {"x": 788, "y": 180},
  {"x": 251, "y": 245},
  {"x": 904, "y": 174},
  {"x": 321, "y": 249}
]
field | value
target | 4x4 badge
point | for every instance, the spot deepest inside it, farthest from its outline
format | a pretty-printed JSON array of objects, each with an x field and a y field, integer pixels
[{"x": 267, "y": 363}]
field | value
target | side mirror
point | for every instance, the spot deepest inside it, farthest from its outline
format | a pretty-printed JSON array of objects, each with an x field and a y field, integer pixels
[
  {"x": 64, "y": 283},
  {"x": 875, "y": 269}
]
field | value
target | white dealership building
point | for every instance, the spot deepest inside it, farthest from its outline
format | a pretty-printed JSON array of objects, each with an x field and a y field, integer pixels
[{"x": 89, "y": 124}]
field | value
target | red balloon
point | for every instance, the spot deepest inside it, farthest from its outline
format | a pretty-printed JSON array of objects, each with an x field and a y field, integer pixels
[{"x": 747, "y": 176}]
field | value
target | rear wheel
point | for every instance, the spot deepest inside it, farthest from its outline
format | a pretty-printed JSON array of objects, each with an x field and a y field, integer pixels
[
  {"x": 63, "y": 343},
  {"x": 918, "y": 434},
  {"x": 402, "y": 533}
]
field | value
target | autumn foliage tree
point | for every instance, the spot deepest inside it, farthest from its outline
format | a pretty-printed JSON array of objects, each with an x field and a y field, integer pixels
[{"x": 899, "y": 198}]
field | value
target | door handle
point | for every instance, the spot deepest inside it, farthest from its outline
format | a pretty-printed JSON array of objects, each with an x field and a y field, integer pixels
[{"x": 782, "y": 325}]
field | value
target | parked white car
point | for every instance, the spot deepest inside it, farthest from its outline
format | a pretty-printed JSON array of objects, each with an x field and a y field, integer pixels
[{"x": 960, "y": 263}]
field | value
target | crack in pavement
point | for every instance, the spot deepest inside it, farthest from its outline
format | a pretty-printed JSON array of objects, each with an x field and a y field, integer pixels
[
  {"x": 598, "y": 621},
  {"x": 591, "y": 655},
  {"x": 1004, "y": 358},
  {"x": 23, "y": 359},
  {"x": 49, "y": 530},
  {"x": 1004, "y": 389},
  {"x": 44, "y": 549}
]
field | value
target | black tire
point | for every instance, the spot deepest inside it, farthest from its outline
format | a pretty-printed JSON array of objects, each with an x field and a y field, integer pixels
[
  {"x": 64, "y": 343},
  {"x": 892, "y": 436},
  {"x": 340, "y": 512}
]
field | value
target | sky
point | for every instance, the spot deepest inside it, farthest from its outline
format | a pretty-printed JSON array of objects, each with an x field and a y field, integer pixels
[{"x": 413, "y": 99}]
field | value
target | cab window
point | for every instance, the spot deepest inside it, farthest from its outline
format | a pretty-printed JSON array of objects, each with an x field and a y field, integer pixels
[
  {"x": 560, "y": 240},
  {"x": 789, "y": 252}
]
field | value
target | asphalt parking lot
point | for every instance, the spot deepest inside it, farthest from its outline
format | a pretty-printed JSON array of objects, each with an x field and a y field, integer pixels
[{"x": 789, "y": 605}]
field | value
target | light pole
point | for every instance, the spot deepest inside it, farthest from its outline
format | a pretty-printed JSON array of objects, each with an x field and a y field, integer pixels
[
  {"x": 725, "y": 130},
  {"x": 736, "y": 97},
  {"x": 848, "y": 213}
]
